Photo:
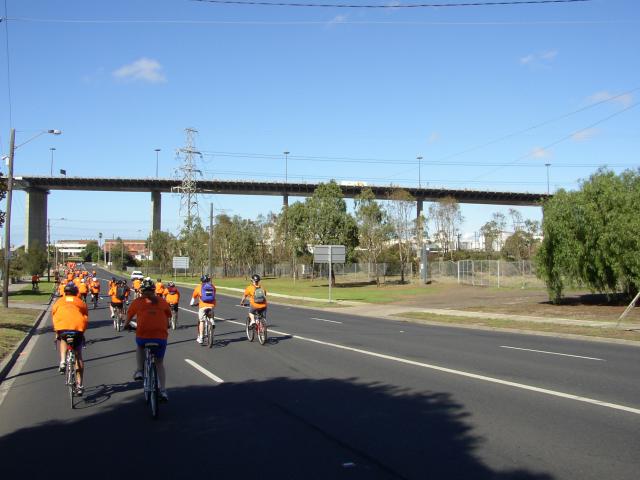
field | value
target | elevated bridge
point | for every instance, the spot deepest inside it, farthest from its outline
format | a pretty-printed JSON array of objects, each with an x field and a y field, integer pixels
[{"x": 38, "y": 188}]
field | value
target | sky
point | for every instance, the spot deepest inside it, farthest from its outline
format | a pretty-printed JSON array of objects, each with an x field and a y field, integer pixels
[{"x": 487, "y": 95}]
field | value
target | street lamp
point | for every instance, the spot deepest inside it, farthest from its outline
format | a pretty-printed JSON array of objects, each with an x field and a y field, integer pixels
[
  {"x": 53, "y": 149},
  {"x": 286, "y": 162},
  {"x": 419, "y": 158},
  {"x": 547, "y": 165},
  {"x": 7, "y": 226},
  {"x": 157, "y": 150}
]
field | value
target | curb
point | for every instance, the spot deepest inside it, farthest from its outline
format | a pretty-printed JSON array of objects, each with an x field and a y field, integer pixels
[{"x": 10, "y": 360}]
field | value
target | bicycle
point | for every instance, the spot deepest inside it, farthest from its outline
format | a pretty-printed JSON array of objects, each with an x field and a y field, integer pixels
[
  {"x": 70, "y": 369},
  {"x": 174, "y": 316},
  {"x": 94, "y": 299},
  {"x": 208, "y": 329},
  {"x": 259, "y": 327},
  {"x": 150, "y": 380}
]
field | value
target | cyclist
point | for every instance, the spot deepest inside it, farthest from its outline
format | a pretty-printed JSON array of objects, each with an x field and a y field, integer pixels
[
  {"x": 83, "y": 290},
  {"x": 206, "y": 294},
  {"x": 112, "y": 282},
  {"x": 160, "y": 288},
  {"x": 172, "y": 296},
  {"x": 257, "y": 298},
  {"x": 152, "y": 314},
  {"x": 95, "y": 287},
  {"x": 35, "y": 279},
  {"x": 70, "y": 315},
  {"x": 136, "y": 287},
  {"x": 119, "y": 294}
]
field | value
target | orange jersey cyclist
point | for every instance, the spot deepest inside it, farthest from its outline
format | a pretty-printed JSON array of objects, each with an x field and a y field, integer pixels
[
  {"x": 205, "y": 294},
  {"x": 257, "y": 298},
  {"x": 71, "y": 317},
  {"x": 152, "y": 314}
]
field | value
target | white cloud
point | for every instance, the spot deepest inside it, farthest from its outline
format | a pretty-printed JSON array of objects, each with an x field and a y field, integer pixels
[
  {"x": 540, "y": 152},
  {"x": 539, "y": 60},
  {"x": 584, "y": 135},
  {"x": 337, "y": 20},
  {"x": 433, "y": 138},
  {"x": 143, "y": 69},
  {"x": 625, "y": 100}
]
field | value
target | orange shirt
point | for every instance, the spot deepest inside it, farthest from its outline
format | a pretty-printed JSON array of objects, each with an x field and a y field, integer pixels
[
  {"x": 159, "y": 288},
  {"x": 95, "y": 287},
  {"x": 83, "y": 289},
  {"x": 172, "y": 298},
  {"x": 152, "y": 317},
  {"x": 136, "y": 284},
  {"x": 201, "y": 304},
  {"x": 250, "y": 291},
  {"x": 61, "y": 289},
  {"x": 70, "y": 313},
  {"x": 112, "y": 292}
]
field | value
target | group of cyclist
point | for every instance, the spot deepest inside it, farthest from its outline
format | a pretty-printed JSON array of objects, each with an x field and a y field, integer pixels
[{"x": 152, "y": 309}]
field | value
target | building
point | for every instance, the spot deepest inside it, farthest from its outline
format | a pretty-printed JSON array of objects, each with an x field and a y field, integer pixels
[{"x": 136, "y": 248}]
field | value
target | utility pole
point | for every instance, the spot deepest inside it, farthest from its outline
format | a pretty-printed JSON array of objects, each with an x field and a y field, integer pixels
[
  {"x": 547, "y": 165},
  {"x": 419, "y": 158},
  {"x": 211, "y": 240},
  {"x": 157, "y": 150},
  {"x": 7, "y": 223},
  {"x": 48, "y": 248}
]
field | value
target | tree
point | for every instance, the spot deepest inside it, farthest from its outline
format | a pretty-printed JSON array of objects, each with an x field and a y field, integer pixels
[
  {"x": 91, "y": 252},
  {"x": 399, "y": 212},
  {"x": 119, "y": 255},
  {"x": 193, "y": 242},
  {"x": 447, "y": 220},
  {"x": 591, "y": 236},
  {"x": 163, "y": 246},
  {"x": 35, "y": 260},
  {"x": 373, "y": 228}
]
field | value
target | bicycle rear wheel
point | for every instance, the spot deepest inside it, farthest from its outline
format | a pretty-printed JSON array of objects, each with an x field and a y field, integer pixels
[
  {"x": 154, "y": 390},
  {"x": 261, "y": 324},
  {"x": 250, "y": 329},
  {"x": 211, "y": 331},
  {"x": 70, "y": 375},
  {"x": 174, "y": 320}
]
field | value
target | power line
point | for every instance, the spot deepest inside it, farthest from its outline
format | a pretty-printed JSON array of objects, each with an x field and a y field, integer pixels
[
  {"x": 388, "y": 6},
  {"x": 6, "y": 28}
]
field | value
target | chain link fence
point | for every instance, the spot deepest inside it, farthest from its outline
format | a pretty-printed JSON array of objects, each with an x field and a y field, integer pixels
[{"x": 486, "y": 273}]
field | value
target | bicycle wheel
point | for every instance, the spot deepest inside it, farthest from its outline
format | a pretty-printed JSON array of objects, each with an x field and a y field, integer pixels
[
  {"x": 261, "y": 324},
  {"x": 154, "y": 390},
  {"x": 251, "y": 332},
  {"x": 174, "y": 320},
  {"x": 70, "y": 375},
  {"x": 211, "y": 332}
]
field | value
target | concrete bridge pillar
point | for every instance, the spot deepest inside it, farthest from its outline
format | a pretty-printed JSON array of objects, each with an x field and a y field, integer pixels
[
  {"x": 419, "y": 207},
  {"x": 156, "y": 204},
  {"x": 35, "y": 225},
  {"x": 285, "y": 200}
]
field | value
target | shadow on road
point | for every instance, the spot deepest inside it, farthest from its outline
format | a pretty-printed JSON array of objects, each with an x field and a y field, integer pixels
[{"x": 279, "y": 428}]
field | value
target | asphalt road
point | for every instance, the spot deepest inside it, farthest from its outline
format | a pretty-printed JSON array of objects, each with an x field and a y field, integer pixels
[{"x": 330, "y": 396}]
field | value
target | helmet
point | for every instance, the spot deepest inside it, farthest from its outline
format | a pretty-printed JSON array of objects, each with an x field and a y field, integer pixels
[
  {"x": 82, "y": 280},
  {"x": 255, "y": 277},
  {"x": 94, "y": 272},
  {"x": 171, "y": 284},
  {"x": 205, "y": 278},
  {"x": 113, "y": 279},
  {"x": 147, "y": 284},
  {"x": 71, "y": 289}
]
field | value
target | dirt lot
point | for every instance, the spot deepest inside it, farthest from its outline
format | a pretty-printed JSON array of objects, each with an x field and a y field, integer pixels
[{"x": 533, "y": 302}]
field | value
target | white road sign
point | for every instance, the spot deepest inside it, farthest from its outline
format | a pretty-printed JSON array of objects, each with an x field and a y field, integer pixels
[
  {"x": 326, "y": 253},
  {"x": 181, "y": 262}
]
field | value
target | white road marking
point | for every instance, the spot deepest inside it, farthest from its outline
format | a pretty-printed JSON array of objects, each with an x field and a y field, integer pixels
[
  {"x": 324, "y": 320},
  {"x": 461, "y": 373},
  {"x": 553, "y": 353},
  {"x": 196, "y": 312},
  {"x": 203, "y": 370}
]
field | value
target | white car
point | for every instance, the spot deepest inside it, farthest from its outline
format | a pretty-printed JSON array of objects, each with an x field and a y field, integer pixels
[{"x": 137, "y": 274}]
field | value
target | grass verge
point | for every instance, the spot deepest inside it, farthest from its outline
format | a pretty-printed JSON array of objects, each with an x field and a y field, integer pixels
[
  {"x": 26, "y": 295},
  {"x": 602, "y": 332},
  {"x": 356, "y": 291},
  {"x": 14, "y": 324}
]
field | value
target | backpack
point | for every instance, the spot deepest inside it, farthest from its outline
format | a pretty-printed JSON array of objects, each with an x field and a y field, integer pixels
[
  {"x": 120, "y": 292},
  {"x": 207, "y": 293},
  {"x": 258, "y": 295}
]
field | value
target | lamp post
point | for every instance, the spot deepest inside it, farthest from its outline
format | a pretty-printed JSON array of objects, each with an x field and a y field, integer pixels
[
  {"x": 286, "y": 162},
  {"x": 7, "y": 226},
  {"x": 547, "y": 165},
  {"x": 53, "y": 149},
  {"x": 157, "y": 150},
  {"x": 419, "y": 158}
]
